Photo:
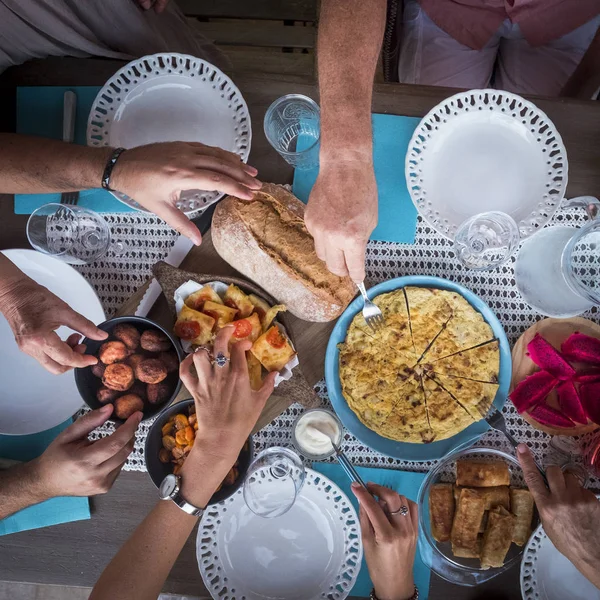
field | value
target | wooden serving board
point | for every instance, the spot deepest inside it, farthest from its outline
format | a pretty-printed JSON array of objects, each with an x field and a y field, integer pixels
[
  {"x": 310, "y": 339},
  {"x": 554, "y": 331}
]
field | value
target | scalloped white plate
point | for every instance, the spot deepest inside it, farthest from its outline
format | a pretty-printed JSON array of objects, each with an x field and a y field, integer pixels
[
  {"x": 546, "y": 574},
  {"x": 312, "y": 552},
  {"x": 485, "y": 150},
  {"x": 171, "y": 97}
]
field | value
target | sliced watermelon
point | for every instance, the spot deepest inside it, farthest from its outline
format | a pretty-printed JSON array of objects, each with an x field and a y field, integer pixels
[
  {"x": 532, "y": 390},
  {"x": 590, "y": 398},
  {"x": 570, "y": 403},
  {"x": 545, "y": 356},
  {"x": 587, "y": 377},
  {"x": 579, "y": 347},
  {"x": 547, "y": 415}
]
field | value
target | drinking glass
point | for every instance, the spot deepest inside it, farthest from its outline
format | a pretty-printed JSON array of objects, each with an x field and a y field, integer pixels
[
  {"x": 487, "y": 240},
  {"x": 75, "y": 235},
  {"x": 292, "y": 126},
  {"x": 557, "y": 270},
  {"x": 273, "y": 482}
]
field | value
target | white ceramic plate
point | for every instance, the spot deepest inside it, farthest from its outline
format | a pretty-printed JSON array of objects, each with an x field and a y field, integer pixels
[
  {"x": 312, "y": 552},
  {"x": 546, "y": 574},
  {"x": 486, "y": 150},
  {"x": 32, "y": 399},
  {"x": 171, "y": 97}
]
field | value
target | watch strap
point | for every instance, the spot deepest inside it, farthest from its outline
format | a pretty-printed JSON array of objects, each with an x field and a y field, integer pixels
[
  {"x": 108, "y": 169},
  {"x": 415, "y": 595},
  {"x": 185, "y": 506}
]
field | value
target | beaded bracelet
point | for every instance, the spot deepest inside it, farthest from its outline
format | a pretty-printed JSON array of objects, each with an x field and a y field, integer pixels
[
  {"x": 112, "y": 161},
  {"x": 415, "y": 596}
]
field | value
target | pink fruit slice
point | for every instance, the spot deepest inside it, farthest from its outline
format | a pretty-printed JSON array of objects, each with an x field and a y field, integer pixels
[
  {"x": 545, "y": 356},
  {"x": 579, "y": 347},
  {"x": 590, "y": 398},
  {"x": 587, "y": 377},
  {"x": 547, "y": 415},
  {"x": 570, "y": 403},
  {"x": 532, "y": 390}
]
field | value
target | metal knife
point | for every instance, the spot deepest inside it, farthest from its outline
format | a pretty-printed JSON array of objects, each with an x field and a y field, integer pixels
[{"x": 69, "y": 112}]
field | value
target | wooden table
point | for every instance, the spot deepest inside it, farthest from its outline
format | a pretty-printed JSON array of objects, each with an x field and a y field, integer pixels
[{"x": 75, "y": 554}]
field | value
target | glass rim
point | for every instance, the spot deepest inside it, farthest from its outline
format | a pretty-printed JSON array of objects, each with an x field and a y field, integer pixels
[
  {"x": 272, "y": 108},
  {"x": 297, "y": 444},
  {"x": 67, "y": 208}
]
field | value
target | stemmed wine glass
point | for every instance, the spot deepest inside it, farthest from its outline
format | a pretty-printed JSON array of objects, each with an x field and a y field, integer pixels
[{"x": 73, "y": 234}]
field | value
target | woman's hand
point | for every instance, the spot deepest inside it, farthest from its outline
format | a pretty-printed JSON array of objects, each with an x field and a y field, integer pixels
[
  {"x": 389, "y": 540},
  {"x": 226, "y": 408},
  {"x": 34, "y": 313},
  {"x": 569, "y": 513}
]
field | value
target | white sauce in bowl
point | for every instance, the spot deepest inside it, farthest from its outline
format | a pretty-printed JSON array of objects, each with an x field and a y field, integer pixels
[{"x": 315, "y": 431}]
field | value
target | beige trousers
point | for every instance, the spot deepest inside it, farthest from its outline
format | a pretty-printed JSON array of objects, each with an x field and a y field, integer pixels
[{"x": 104, "y": 28}]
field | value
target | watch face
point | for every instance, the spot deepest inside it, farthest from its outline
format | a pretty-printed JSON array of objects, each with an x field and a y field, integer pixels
[{"x": 168, "y": 486}]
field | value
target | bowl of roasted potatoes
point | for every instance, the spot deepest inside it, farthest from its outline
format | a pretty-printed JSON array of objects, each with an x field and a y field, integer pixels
[
  {"x": 170, "y": 440},
  {"x": 475, "y": 515}
]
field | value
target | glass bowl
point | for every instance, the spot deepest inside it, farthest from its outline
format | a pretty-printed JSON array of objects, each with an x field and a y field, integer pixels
[
  {"x": 438, "y": 555},
  {"x": 299, "y": 446}
]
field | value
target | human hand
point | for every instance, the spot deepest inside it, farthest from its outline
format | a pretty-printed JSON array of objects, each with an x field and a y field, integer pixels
[
  {"x": 342, "y": 213},
  {"x": 156, "y": 174},
  {"x": 33, "y": 313},
  {"x": 158, "y": 5},
  {"x": 226, "y": 407},
  {"x": 389, "y": 540},
  {"x": 569, "y": 513},
  {"x": 74, "y": 466}
]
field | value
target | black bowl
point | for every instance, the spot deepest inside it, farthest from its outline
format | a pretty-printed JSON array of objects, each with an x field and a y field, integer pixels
[
  {"x": 88, "y": 384},
  {"x": 158, "y": 470}
]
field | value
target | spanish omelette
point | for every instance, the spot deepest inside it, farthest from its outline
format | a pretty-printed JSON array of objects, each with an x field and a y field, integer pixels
[{"x": 400, "y": 380}]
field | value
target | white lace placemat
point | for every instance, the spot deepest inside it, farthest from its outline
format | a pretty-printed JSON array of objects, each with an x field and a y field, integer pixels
[{"x": 148, "y": 240}]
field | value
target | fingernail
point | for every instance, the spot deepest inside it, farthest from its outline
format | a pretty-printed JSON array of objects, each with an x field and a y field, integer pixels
[
  {"x": 197, "y": 239},
  {"x": 106, "y": 409},
  {"x": 251, "y": 170},
  {"x": 355, "y": 485},
  {"x": 139, "y": 416},
  {"x": 522, "y": 449}
]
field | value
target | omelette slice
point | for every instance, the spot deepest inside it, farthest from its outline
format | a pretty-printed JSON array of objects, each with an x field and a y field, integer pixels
[
  {"x": 372, "y": 408},
  {"x": 446, "y": 416},
  {"x": 475, "y": 396},
  {"x": 428, "y": 312},
  {"x": 465, "y": 329},
  {"x": 481, "y": 363},
  {"x": 408, "y": 421}
]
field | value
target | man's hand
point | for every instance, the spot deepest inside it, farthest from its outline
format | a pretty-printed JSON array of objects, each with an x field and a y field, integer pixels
[
  {"x": 569, "y": 513},
  {"x": 74, "y": 466},
  {"x": 227, "y": 409},
  {"x": 389, "y": 540},
  {"x": 156, "y": 174},
  {"x": 342, "y": 213},
  {"x": 34, "y": 313}
]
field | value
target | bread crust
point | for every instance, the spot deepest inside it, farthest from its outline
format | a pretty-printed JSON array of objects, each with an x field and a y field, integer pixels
[{"x": 266, "y": 240}]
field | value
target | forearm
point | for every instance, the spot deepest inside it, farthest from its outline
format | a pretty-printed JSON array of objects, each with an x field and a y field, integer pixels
[
  {"x": 350, "y": 38},
  {"x": 37, "y": 165},
  {"x": 20, "y": 487}
]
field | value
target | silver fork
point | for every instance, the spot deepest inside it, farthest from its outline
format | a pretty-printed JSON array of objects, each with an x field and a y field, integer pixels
[
  {"x": 71, "y": 198},
  {"x": 370, "y": 311},
  {"x": 496, "y": 421},
  {"x": 69, "y": 112}
]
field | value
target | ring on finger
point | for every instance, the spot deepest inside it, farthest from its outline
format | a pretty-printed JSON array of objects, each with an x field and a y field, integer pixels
[
  {"x": 220, "y": 360},
  {"x": 206, "y": 349},
  {"x": 403, "y": 510}
]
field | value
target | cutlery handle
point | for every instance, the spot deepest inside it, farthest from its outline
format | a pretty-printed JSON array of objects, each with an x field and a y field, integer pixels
[
  {"x": 350, "y": 470},
  {"x": 514, "y": 442},
  {"x": 363, "y": 291},
  {"x": 69, "y": 110}
]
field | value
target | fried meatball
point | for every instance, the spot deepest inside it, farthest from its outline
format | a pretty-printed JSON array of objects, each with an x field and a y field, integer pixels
[
  {"x": 171, "y": 361},
  {"x": 126, "y": 405},
  {"x": 98, "y": 369},
  {"x": 127, "y": 334},
  {"x": 118, "y": 377},
  {"x": 134, "y": 360},
  {"x": 158, "y": 392},
  {"x": 151, "y": 370},
  {"x": 154, "y": 340},
  {"x": 112, "y": 352},
  {"x": 106, "y": 395}
]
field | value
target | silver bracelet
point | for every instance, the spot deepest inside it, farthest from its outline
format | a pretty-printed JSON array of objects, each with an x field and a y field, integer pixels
[{"x": 415, "y": 596}]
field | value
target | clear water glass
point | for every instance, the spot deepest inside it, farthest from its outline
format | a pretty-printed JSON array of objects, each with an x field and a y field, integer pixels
[
  {"x": 75, "y": 235},
  {"x": 273, "y": 482},
  {"x": 487, "y": 240},
  {"x": 292, "y": 126}
]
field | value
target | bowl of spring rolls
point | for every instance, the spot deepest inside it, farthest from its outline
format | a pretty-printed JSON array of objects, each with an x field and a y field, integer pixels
[{"x": 476, "y": 515}]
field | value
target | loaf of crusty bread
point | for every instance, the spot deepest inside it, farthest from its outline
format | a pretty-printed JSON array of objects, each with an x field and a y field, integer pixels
[{"x": 266, "y": 240}]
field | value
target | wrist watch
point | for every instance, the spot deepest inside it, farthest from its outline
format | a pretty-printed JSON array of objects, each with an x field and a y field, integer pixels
[
  {"x": 415, "y": 595},
  {"x": 170, "y": 490}
]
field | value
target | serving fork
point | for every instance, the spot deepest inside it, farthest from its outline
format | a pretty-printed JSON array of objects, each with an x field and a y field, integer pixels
[
  {"x": 371, "y": 312},
  {"x": 495, "y": 420}
]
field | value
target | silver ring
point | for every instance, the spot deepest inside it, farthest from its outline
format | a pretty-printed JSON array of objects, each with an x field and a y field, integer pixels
[
  {"x": 403, "y": 510},
  {"x": 206, "y": 348},
  {"x": 220, "y": 360}
]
